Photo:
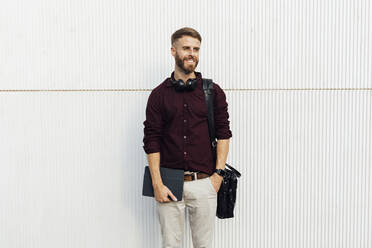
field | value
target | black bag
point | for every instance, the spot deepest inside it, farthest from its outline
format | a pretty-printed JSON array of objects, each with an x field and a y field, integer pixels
[{"x": 227, "y": 193}]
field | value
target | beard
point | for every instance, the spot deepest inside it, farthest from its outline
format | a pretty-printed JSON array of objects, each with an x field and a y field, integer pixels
[{"x": 186, "y": 68}]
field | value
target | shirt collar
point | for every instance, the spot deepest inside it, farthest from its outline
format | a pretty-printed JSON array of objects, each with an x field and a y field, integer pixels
[{"x": 197, "y": 74}]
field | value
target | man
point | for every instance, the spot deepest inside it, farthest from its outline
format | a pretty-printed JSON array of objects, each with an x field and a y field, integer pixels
[{"x": 176, "y": 136}]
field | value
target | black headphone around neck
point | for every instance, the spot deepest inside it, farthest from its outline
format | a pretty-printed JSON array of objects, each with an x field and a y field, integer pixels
[{"x": 181, "y": 86}]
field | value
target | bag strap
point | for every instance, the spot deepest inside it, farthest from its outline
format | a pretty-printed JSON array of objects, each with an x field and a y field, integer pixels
[
  {"x": 208, "y": 92},
  {"x": 237, "y": 173}
]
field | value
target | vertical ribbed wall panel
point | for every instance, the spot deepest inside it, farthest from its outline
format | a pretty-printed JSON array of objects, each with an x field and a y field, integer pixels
[
  {"x": 305, "y": 158},
  {"x": 72, "y": 167},
  {"x": 126, "y": 44},
  {"x": 71, "y": 163}
]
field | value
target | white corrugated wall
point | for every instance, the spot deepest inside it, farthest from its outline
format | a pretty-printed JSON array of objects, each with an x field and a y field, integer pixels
[{"x": 74, "y": 81}]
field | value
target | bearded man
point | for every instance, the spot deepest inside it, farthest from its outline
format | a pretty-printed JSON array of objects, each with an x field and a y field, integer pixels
[{"x": 176, "y": 136}]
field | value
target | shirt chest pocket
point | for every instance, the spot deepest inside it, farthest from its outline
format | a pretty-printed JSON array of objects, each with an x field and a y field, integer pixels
[
  {"x": 199, "y": 109},
  {"x": 198, "y": 105}
]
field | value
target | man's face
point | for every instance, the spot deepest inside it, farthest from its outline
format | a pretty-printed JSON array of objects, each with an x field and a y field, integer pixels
[{"x": 186, "y": 53}]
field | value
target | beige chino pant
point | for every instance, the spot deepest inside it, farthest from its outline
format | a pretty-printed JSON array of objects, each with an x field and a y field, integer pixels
[{"x": 200, "y": 198}]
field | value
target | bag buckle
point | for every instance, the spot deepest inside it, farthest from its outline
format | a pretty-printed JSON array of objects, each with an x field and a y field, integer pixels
[{"x": 214, "y": 143}]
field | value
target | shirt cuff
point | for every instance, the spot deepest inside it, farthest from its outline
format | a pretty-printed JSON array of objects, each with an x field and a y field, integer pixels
[
  {"x": 151, "y": 147},
  {"x": 224, "y": 135}
]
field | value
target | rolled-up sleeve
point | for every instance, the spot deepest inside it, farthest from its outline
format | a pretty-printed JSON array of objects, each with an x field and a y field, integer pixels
[
  {"x": 221, "y": 115},
  {"x": 153, "y": 124}
]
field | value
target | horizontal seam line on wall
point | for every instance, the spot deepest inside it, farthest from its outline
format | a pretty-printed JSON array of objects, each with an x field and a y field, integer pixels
[{"x": 227, "y": 89}]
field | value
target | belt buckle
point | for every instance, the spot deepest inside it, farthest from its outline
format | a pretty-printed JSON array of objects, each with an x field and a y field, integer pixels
[{"x": 195, "y": 175}]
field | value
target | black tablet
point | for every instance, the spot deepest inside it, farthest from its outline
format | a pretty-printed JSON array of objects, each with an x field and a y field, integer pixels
[{"x": 172, "y": 178}]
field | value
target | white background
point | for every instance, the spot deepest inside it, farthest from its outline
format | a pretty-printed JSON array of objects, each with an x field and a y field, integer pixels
[{"x": 74, "y": 81}]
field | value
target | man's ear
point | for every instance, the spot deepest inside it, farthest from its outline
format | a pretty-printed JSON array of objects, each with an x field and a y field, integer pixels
[{"x": 173, "y": 51}]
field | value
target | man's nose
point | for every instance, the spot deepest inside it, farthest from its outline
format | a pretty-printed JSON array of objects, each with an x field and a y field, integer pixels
[{"x": 191, "y": 56}]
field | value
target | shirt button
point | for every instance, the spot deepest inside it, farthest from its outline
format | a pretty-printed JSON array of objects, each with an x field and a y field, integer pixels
[
  {"x": 184, "y": 120},
  {"x": 184, "y": 137},
  {"x": 185, "y": 105},
  {"x": 185, "y": 153}
]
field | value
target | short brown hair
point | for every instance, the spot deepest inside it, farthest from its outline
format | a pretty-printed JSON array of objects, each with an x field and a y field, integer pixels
[{"x": 185, "y": 31}]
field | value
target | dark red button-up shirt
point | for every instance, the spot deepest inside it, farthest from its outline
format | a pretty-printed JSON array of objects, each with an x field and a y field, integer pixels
[{"x": 176, "y": 125}]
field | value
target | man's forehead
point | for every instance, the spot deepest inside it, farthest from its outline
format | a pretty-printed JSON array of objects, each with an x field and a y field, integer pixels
[{"x": 188, "y": 41}]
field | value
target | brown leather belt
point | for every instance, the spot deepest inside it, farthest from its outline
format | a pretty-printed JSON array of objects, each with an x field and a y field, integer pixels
[{"x": 195, "y": 175}]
